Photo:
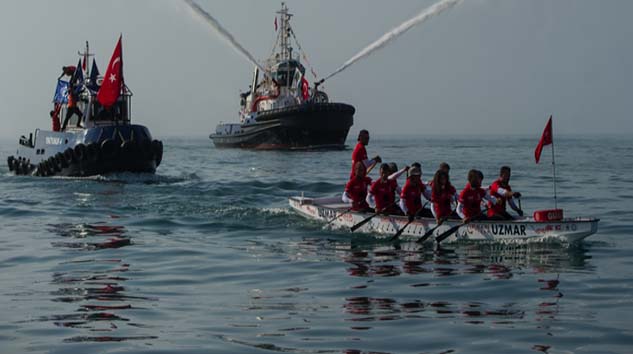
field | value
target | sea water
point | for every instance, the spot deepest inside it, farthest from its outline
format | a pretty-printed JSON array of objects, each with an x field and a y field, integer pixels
[{"x": 205, "y": 256}]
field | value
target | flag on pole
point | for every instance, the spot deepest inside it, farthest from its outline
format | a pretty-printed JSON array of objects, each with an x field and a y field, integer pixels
[
  {"x": 61, "y": 92},
  {"x": 94, "y": 75},
  {"x": 275, "y": 24},
  {"x": 305, "y": 88},
  {"x": 113, "y": 79},
  {"x": 546, "y": 139}
]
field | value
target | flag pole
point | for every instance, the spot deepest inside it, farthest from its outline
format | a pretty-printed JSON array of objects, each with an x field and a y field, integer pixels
[{"x": 554, "y": 169}]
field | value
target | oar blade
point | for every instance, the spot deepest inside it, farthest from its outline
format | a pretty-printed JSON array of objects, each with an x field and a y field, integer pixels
[
  {"x": 441, "y": 237},
  {"x": 360, "y": 224}
]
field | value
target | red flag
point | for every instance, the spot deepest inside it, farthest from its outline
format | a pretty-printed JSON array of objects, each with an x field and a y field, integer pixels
[
  {"x": 275, "y": 24},
  {"x": 546, "y": 139},
  {"x": 305, "y": 87},
  {"x": 113, "y": 79}
]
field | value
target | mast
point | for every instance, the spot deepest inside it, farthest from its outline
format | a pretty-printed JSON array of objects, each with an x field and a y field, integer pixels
[{"x": 86, "y": 55}]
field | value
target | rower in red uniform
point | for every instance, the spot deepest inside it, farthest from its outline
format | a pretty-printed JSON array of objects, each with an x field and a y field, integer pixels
[
  {"x": 442, "y": 196},
  {"x": 360, "y": 153},
  {"x": 469, "y": 206},
  {"x": 501, "y": 190},
  {"x": 356, "y": 189},
  {"x": 382, "y": 192},
  {"x": 411, "y": 196}
]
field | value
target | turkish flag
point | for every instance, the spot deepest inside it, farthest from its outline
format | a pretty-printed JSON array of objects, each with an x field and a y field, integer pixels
[
  {"x": 113, "y": 79},
  {"x": 305, "y": 88},
  {"x": 546, "y": 139}
]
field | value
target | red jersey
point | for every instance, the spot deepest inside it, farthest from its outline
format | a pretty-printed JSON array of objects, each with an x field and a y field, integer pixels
[
  {"x": 384, "y": 193},
  {"x": 494, "y": 209},
  {"x": 442, "y": 201},
  {"x": 357, "y": 190},
  {"x": 471, "y": 200},
  {"x": 359, "y": 154},
  {"x": 412, "y": 197}
]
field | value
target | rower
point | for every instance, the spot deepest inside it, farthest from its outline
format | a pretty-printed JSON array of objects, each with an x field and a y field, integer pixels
[
  {"x": 442, "y": 196},
  {"x": 382, "y": 192},
  {"x": 360, "y": 153},
  {"x": 501, "y": 190},
  {"x": 411, "y": 196},
  {"x": 356, "y": 189},
  {"x": 469, "y": 202}
]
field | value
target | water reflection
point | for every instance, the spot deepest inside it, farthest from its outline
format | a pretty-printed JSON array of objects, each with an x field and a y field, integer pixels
[{"x": 96, "y": 285}]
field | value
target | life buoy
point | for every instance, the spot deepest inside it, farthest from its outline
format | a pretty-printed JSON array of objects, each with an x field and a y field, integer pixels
[
  {"x": 109, "y": 149},
  {"x": 80, "y": 152}
]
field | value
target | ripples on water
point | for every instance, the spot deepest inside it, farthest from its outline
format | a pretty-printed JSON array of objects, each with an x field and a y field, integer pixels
[{"x": 205, "y": 256}]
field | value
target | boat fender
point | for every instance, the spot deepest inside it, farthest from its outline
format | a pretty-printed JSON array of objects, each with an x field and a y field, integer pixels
[
  {"x": 157, "y": 146},
  {"x": 92, "y": 152},
  {"x": 69, "y": 154},
  {"x": 109, "y": 149},
  {"x": 128, "y": 149},
  {"x": 54, "y": 164},
  {"x": 80, "y": 152},
  {"x": 10, "y": 162},
  {"x": 145, "y": 148},
  {"x": 61, "y": 160}
]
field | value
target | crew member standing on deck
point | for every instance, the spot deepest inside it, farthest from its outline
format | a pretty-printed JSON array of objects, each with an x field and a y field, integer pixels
[
  {"x": 356, "y": 189},
  {"x": 360, "y": 153},
  {"x": 469, "y": 206},
  {"x": 501, "y": 190}
]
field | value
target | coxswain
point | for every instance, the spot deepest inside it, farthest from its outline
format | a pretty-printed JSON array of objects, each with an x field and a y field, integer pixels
[
  {"x": 411, "y": 195},
  {"x": 443, "y": 195},
  {"x": 382, "y": 192},
  {"x": 501, "y": 190},
  {"x": 470, "y": 198},
  {"x": 356, "y": 189},
  {"x": 360, "y": 153}
]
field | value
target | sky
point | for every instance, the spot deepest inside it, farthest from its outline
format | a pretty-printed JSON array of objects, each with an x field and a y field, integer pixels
[{"x": 485, "y": 67}]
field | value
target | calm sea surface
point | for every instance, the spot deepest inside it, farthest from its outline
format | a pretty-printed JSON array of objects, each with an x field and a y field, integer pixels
[{"x": 206, "y": 257}]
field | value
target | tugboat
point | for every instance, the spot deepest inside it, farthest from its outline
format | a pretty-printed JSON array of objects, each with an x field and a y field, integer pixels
[
  {"x": 97, "y": 136},
  {"x": 281, "y": 111}
]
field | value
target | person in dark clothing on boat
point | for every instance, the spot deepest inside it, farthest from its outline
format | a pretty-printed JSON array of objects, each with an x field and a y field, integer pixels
[{"x": 72, "y": 108}]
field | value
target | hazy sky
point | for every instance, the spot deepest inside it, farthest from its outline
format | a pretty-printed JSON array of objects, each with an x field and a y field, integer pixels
[{"x": 484, "y": 67}]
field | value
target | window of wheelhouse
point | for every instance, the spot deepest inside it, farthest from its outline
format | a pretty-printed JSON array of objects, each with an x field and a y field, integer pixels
[{"x": 121, "y": 111}]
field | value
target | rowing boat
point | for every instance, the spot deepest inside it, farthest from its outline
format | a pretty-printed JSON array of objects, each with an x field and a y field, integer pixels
[{"x": 337, "y": 215}]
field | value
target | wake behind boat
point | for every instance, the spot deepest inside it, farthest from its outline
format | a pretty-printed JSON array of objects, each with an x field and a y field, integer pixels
[
  {"x": 527, "y": 229},
  {"x": 281, "y": 111},
  {"x": 97, "y": 135}
]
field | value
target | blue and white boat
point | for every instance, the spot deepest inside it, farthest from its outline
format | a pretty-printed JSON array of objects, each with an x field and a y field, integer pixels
[{"x": 101, "y": 141}]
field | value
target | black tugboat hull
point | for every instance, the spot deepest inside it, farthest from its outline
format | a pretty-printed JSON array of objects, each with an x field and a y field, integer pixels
[
  {"x": 308, "y": 126},
  {"x": 88, "y": 152}
]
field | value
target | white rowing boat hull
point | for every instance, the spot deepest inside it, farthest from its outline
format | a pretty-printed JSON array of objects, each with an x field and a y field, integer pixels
[{"x": 525, "y": 229}]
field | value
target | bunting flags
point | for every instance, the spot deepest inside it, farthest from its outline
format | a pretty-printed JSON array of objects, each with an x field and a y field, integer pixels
[{"x": 113, "y": 80}]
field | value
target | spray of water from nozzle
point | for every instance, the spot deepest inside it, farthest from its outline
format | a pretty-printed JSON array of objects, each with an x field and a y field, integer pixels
[
  {"x": 219, "y": 29},
  {"x": 427, "y": 13}
]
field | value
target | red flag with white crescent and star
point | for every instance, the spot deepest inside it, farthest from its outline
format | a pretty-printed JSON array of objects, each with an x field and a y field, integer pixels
[
  {"x": 546, "y": 139},
  {"x": 113, "y": 79}
]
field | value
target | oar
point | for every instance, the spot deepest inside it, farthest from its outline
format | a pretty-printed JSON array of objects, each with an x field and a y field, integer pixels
[
  {"x": 338, "y": 216},
  {"x": 441, "y": 237},
  {"x": 366, "y": 220},
  {"x": 430, "y": 232},
  {"x": 399, "y": 232}
]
